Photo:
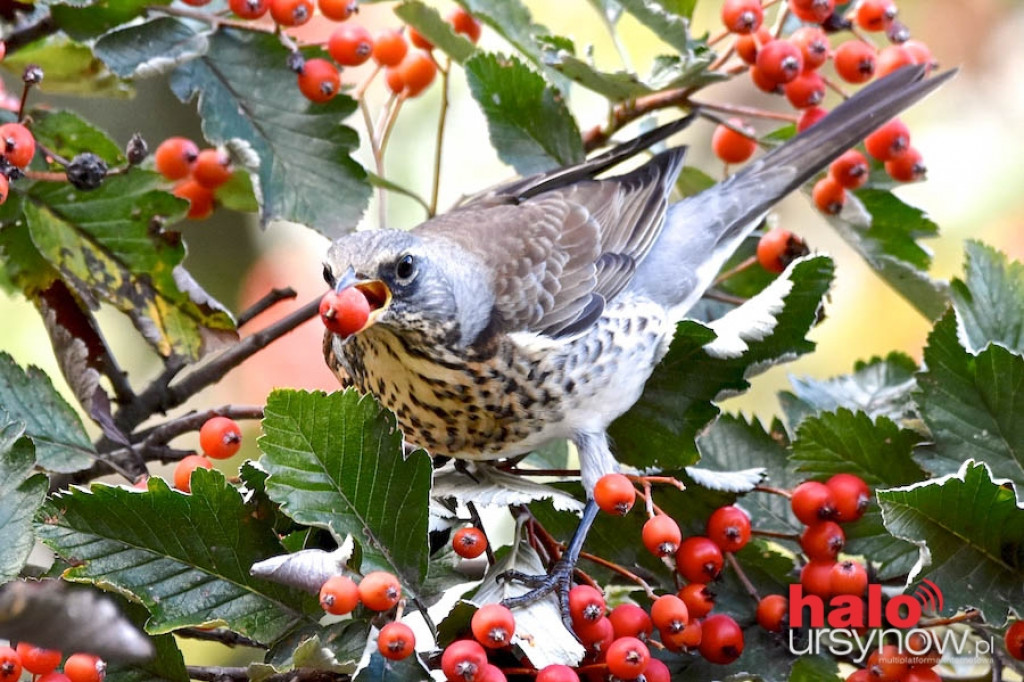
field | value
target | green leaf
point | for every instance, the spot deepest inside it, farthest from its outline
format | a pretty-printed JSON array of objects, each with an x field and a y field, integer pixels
[
  {"x": 21, "y": 494},
  {"x": 24, "y": 267},
  {"x": 512, "y": 21},
  {"x": 683, "y": 8},
  {"x": 70, "y": 68},
  {"x": 988, "y": 300},
  {"x": 28, "y": 396},
  {"x": 247, "y": 92},
  {"x": 672, "y": 28},
  {"x": 237, "y": 194},
  {"x": 336, "y": 462},
  {"x": 616, "y": 86},
  {"x": 186, "y": 558},
  {"x": 105, "y": 246},
  {"x": 530, "y": 125},
  {"x": 432, "y": 26},
  {"x": 972, "y": 404},
  {"x": 693, "y": 180},
  {"x": 972, "y": 535},
  {"x": 379, "y": 669},
  {"x": 815, "y": 669},
  {"x": 676, "y": 404},
  {"x": 88, "y": 20},
  {"x": 67, "y": 134},
  {"x": 150, "y": 48},
  {"x": 674, "y": 72}
]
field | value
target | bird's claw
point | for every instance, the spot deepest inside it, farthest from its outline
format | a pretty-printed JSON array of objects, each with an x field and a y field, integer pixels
[{"x": 558, "y": 581}]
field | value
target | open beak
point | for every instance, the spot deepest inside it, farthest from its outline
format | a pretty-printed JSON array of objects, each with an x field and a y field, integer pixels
[{"x": 376, "y": 292}]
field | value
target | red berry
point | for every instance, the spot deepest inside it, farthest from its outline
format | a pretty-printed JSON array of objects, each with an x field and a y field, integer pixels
[
  {"x": 417, "y": 72},
  {"x": 920, "y": 675},
  {"x": 174, "y": 157},
  {"x": 196, "y": 3},
  {"x": 698, "y": 598},
  {"x": 859, "y": 676},
  {"x": 557, "y": 673},
  {"x": 851, "y": 171},
  {"x": 596, "y": 635},
  {"x": 816, "y": 578},
  {"x": 379, "y": 591},
  {"x": 614, "y": 494},
  {"x": 10, "y": 664},
  {"x": 813, "y": 44},
  {"x": 699, "y": 560},
  {"x": 469, "y": 542},
  {"x": 53, "y": 676},
  {"x": 763, "y": 82},
  {"x": 464, "y": 23},
  {"x": 907, "y": 167},
  {"x": 924, "y": 650},
  {"x": 493, "y": 625},
  {"x": 5, "y": 188},
  {"x": 892, "y": 58},
  {"x": 344, "y": 312},
  {"x": 657, "y": 671},
  {"x": 319, "y": 80},
  {"x": 184, "y": 468},
  {"x": 889, "y": 141},
  {"x": 685, "y": 640},
  {"x": 629, "y": 620},
  {"x": 919, "y": 53},
  {"x": 350, "y": 45},
  {"x": 661, "y": 535},
  {"x": 849, "y": 577},
  {"x": 200, "y": 199},
  {"x": 809, "y": 117},
  {"x": 776, "y": 249},
  {"x": 463, "y": 660},
  {"x": 780, "y": 61},
  {"x": 851, "y": 494},
  {"x": 220, "y": 437},
  {"x": 491, "y": 673},
  {"x": 394, "y": 80},
  {"x": 772, "y": 611},
  {"x": 586, "y": 604},
  {"x": 887, "y": 664},
  {"x": 828, "y": 195},
  {"x": 729, "y": 528},
  {"x": 627, "y": 658},
  {"x": 291, "y": 12},
  {"x": 17, "y": 144},
  {"x": 721, "y": 639},
  {"x": 822, "y": 541},
  {"x": 339, "y": 595},
  {"x": 1014, "y": 640},
  {"x": 812, "y": 502},
  {"x": 748, "y": 46},
  {"x": 396, "y": 641},
  {"x": 249, "y": 9},
  {"x": 213, "y": 167},
  {"x": 3, "y": 49},
  {"x": 37, "y": 660},
  {"x": 338, "y": 10},
  {"x": 669, "y": 612},
  {"x": 417, "y": 39},
  {"x": 812, "y": 11},
  {"x": 731, "y": 146},
  {"x": 742, "y": 16},
  {"x": 390, "y": 48},
  {"x": 806, "y": 90},
  {"x": 855, "y": 61},
  {"x": 875, "y": 15},
  {"x": 84, "y": 668}
]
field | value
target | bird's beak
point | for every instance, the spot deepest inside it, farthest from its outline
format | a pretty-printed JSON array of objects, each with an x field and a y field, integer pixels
[{"x": 377, "y": 294}]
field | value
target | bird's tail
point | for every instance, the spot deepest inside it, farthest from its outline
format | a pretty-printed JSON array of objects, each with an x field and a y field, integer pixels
[{"x": 702, "y": 231}]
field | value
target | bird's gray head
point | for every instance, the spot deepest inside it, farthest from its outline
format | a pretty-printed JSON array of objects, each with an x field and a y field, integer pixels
[{"x": 413, "y": 284}]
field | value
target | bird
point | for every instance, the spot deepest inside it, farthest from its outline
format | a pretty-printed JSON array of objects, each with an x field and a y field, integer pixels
[{"x": 538, "y": 309}]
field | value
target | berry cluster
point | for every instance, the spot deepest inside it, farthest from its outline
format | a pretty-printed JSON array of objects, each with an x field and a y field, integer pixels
[
  {"x": 791, "y": 66},
  {"x": 889, "y": 663},
  {"x": 219, "y": 438},
  {"x": 198, "y": 173},
  {"x": 377, "y": 591},
  {"x": 43, "y": 664}
]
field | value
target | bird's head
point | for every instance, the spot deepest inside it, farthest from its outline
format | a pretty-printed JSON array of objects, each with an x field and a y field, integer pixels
[{"x": 412, "y": 284}]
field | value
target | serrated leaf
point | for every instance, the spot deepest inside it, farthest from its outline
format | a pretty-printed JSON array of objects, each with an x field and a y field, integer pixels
[
  {"x": 305, "y": 172},
  {"x": 151, "y": 48},
  {"x": 28, "y": 396},
  {"x": 531, "y": 127},
  {"x": 672, "y": 28},
  {"x": 336, "y": 462},
  {"x": 616, "y": 86},
  {"x": 23, "y": 266},
  {"x": 486, "y": 486},
  {"x": 972, "y": 405},
  {"x": 971, "y": 532},
  {"x": 67, "y": 134},
  {"x": 343, "y": 642},
  {"x": 878, "y": 387},
  {"x": 164, "y": 549},
  {"x": 511, "y": 19},
  {"x": 432, "y": 26},
  {"x": 739, "y": 481},
  {"x": 89, "y": 20},
  {"x": 674, "y": 72},
  {"x": 103, "y": 244},
  {"x": 69, "y": 66},
  {"x": 21, "y": 494},
  {"x": 988, "y": 299},
  {"x": 676, "y": 404}
]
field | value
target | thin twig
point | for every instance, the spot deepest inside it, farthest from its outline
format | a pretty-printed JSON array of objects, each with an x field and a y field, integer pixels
[
  {"x": 212, "y": 19},
  {"x": 621, "y": 570},
  {"x": 761, "y": 488},
  {"x": 969, "y": 614},
  {"x": 747, "y": 585},
  {"x": 740, "y": 110},
  {"x": 740, "y": 267},
  {"x": 225, "y": 637},
  {"x": 478, "y": 522},
  {"x": 667, "y": 480},
  {"x": 193, "y": 421},
  {"x": 272, "y": 298},
  {"x": 439, "y": 145},
  {"x": 30, "y": 33},
  {"x": 775, "y": 534}
]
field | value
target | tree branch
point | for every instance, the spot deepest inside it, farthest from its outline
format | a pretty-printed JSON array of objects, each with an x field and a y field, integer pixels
[
  {"x": 225, "y": 637},
  {"x": 20, "y": 37},
  {"x": 272, "y": 298},
  {"x": 217, "y": 673}
]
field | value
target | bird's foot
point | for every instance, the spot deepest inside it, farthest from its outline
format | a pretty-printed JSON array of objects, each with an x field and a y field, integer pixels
[{"x": 558, "y": 581}]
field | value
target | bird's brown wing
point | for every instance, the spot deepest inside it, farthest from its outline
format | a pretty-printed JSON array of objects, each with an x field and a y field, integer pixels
[{"x": 558, "y": 256}]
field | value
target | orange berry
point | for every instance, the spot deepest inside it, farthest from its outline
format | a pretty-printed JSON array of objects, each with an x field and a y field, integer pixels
[
  {"x": 907, "y": 167},
  {"x": 742, "y": 16},
  {"x": 390, "y": 48},
  {"x": 319, "y": 80},
  {"x": 875, "y": 15},
  {"x": 394, "y": 80},
  {"x": 771, "y": 612},
  {"x": 5, "y": 188},
  {"x": 10, "y": 665},
  {"x": 85, "y": 668},
  {"x": 417, "y": 39},
  {"x": 463, "y": 22},
  {"x": 212, "y": 168},
  {"x": 220, "y": 437},
  {"x": 892, "y": 58},
  {"x": 809, "y": 117},
  {"x": 338, "y": 10},
  {"x": 469, "y": 542},
  {"x": 850, "y": 170},
  {"x": 249, "y": 9},
  {"x": 812, "y": 11},
  {"x": 200, "y": 199},
  {"x": 614, "y": 494},
  {"x": 763, "y": 82},
  {"x": 339, "y": 595},
  {"x": 776, "y": 249},
  {"x": 493, "y": 626},
  {"x": 183, "y": 471},
  {"x": 855, "y": 61},
  {"x": 350, "y": 45},
  {"x": 174, "y": 157},
  {"x": 291, "y": 12},
  {"x": 731, "y": 146},
  {"x": 17, "y": 144},
  {"x": 37, "y": 660},
  {"x": 919, "y": 53},
  {"x": 418, "y": 71},
  {"x": 661, "y": 535},
  {"x": 748, "y": 45},
  {"x": 806, "y": 90},
  {"x": 780, "y": 61},
  {"x": 813, "y": 44},
  {"x": 889, "y": 141},
  {"x": 828, "y": 195},
  {"x": 396, "y": 641},
  {"x": 379, "y": 591}
]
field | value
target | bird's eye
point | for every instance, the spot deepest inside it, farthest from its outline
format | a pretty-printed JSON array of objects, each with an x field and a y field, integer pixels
[
  {"x": 405, "y": 269},
  {"x": 328, "y": 275}
]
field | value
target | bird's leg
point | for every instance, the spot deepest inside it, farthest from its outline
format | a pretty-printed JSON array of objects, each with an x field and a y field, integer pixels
[{"x": 559, "y": 579}]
